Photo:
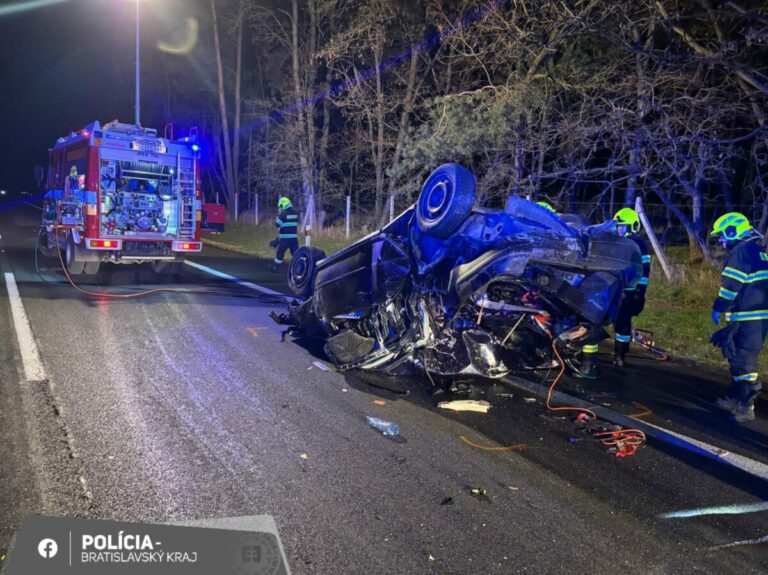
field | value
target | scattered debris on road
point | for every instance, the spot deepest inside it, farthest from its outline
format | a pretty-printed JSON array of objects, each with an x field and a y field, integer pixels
[
  {"x": 384, "y": 427},
  {"x": 303, "y": 456},
  {"x": 529, "y": 399},
  {"x": 321, "y": 365},
  {"x": 379, "y": 402},
  {"x": 479, "y": 406},
  {"x": 447, "y": 501},
  {"x": 515, "y": 447},
  {"x": 644, "y": 411},
  {"x": 479, "y": 492}
]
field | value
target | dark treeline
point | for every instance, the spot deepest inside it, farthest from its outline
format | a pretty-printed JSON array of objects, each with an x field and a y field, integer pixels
[{"x": 582, "y": 102}]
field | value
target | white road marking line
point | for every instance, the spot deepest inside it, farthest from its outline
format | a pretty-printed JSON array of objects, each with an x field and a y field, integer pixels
[
  {"x": 746, "y": 464},
  {"x": 237, "y": 280},
  {"x": 30, "y": 357}
]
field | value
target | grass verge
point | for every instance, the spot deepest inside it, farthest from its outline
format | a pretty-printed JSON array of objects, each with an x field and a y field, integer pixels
[{"x": 254, "y": 240}]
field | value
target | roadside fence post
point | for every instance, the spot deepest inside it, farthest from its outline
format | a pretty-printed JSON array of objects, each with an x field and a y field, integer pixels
[
  {"x": 652, "y": 237},
  {"x": 307, "y": 235},
  {"x": 391, "y": 207},
  {"x": 256, "y": 208},
  {"x": 346, "y": 222}
]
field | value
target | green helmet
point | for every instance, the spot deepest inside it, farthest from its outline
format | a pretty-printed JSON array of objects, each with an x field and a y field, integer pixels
[
  {"x": 733, "y": 226},
  {"x": 547, "y": 207},
  {"x": 628, "y": 217},
  {"x": 284, "y": 203}
]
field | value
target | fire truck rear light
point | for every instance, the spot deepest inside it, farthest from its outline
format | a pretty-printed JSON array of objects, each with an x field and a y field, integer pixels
[
  {"x": 104, "y": 244},
  {"x": 187, "y": 246}
]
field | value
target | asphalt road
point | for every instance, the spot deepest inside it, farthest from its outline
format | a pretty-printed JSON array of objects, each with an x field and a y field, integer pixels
[{"x": 184, "y": 405}]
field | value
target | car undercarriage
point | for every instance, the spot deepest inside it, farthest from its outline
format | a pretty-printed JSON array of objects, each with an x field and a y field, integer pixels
[{"x": 452, "y": 289}]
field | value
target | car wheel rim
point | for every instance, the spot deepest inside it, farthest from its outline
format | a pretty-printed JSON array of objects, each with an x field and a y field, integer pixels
[
  {"x": 437, "y": 199},
  {"x": 300, "y": 270}
]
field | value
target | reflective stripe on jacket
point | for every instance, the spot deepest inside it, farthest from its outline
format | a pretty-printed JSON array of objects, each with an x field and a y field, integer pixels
[
  {"x": 288, "y": 222},
  {"x": 744, "y": 283}
]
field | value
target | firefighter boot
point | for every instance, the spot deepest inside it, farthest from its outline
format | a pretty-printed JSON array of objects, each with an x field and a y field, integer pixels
[
  {"x": 619, "y": 353},
  {"x": 589, "y": 365},
  {"x": 586, "y": 368},
  {"x": 745, "y": 408},
  {"x": 730, "y": 400}
]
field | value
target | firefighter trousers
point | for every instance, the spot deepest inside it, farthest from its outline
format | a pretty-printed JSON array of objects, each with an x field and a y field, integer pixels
[
  {"x": 283, "y": 245},
  {"x": 631, "y": 305},
  {"x": 742, "y": 351}
]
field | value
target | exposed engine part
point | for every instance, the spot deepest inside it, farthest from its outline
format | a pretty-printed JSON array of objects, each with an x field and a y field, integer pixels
[{"x": 135, "y": 212}]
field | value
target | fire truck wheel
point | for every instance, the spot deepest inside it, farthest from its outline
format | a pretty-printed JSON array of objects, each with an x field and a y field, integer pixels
[
  {"x": 74, "y": 267},
  {"x": 92, "y": 268}
]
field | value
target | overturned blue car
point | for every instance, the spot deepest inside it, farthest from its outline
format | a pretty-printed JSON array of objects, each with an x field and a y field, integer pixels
[{"x": 453, "y": 289}]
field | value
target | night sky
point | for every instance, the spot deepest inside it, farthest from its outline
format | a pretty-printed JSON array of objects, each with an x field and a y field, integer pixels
[{"x": 68, "y": 64}]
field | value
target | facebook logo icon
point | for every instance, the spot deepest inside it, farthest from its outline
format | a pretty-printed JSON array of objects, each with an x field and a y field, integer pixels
[{"x": 47, "y": 548}]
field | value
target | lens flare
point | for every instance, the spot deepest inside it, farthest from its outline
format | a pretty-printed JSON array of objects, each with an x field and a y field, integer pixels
[
  {"x": 188, "y": 41},
  {"x": 18, "y": 7}
]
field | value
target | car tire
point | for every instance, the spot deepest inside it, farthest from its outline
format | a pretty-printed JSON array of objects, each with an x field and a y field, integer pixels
[
  {"x": 302, "y": 270},
  {"x": 446, "y": 200},
  {"x": 74, "y": 267}
]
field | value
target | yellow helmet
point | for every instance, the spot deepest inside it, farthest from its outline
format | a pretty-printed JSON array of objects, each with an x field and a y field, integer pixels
[
  {"x": 284, "y": 203},
  {"x": 628, "y": 217},
  {"x": 733, "y": 226},
  {"x": 547, "y": 207}
]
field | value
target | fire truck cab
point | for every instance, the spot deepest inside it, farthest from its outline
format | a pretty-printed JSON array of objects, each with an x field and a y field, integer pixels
[{"x": 119, "y": 193}]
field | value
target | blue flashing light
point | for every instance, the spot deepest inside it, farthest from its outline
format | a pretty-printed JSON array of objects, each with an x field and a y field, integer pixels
[{"x": 195, "y": 148}]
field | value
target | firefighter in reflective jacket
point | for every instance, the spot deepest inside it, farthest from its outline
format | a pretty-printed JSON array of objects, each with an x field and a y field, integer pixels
[
  {"x": 633, "y": 298},
  {"x": 287, "y": 223},
  {"x": 627, "y": 225},
  {"x": 743, "y": 302}
]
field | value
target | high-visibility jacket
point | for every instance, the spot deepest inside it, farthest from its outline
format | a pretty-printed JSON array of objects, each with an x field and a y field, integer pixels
[
  {"x": 744, "y": 283},
  {"x": 642, "y": 285},
  {"x": 288, "y": 223}
]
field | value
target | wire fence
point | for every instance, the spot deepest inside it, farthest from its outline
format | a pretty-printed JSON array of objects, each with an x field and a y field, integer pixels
[{"x": 352, "y": 220}]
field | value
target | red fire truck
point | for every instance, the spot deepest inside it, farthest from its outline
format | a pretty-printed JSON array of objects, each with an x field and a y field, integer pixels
[{"x": 119, "y": 193}]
